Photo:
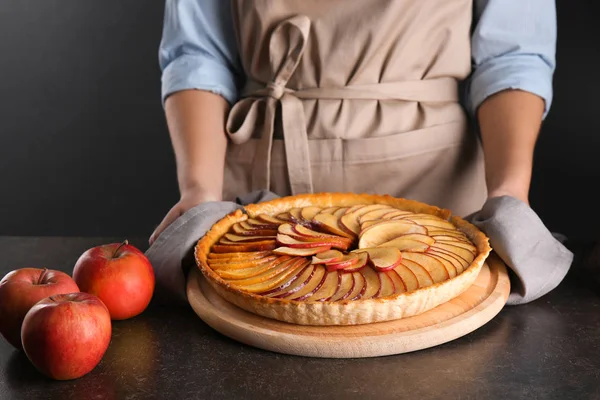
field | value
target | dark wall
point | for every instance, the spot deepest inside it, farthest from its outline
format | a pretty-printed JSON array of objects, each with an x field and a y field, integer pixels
[
  {"x": 84, "y": 149},
  {"x": 83, "y": 144},
  {"x": 567, "y": 165}
]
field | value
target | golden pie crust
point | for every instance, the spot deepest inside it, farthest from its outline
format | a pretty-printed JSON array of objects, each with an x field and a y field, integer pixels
[{"x": 393, "y": 306}]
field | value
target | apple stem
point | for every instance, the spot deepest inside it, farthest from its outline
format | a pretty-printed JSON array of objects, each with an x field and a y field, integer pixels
[
  {"x": 125, "y": 242},
  {"x": 42, "y": 276}
]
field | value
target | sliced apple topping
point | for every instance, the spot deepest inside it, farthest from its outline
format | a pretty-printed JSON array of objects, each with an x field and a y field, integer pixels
[
  {"x": 360, "y": 286},
  {"x": 348, "y": 261},
  {"x": 238, "y": 229},
  {"x": 335, "y": 260},
  {"x": 436, "y": 269},
  {"x": 410, "y": 242},
  {"x": 296, "y": 215},
  {"x": 382, "y": 258},
  {"x": 242, "y": 255},
  {"x": 306, "y": 253},
  {"x": 350, "y": 220},
  {"x": 289, "y": 241},
  {"x": 332, "y": 282},
  {"x": 337, "y": 243},
  {"x": 385, "y": 231},
  {"x": 296, "y": 265},
  {"x": 240, "y": 264},
  {"x": 312, "y": 286},
  {"x": 242, "y": 238},
  {"x": 311, "y": 238},
  {"x": 329, "y": 256},
  {"x": 257, "y": 232},
  {"x": 258, "y": 224},
  {"x": 329, "y": 210},
  {"x": 300, "y": 252},
  {"x": 270, "y": 219},
  {"x": 276, "y": 270},
  {"x": 330, "y": 223},
  {"x": 264, "y": 241},
  {"x": 458, "y": 243},
  {"x": 243, "y": 273},
  {"x": 241, "y": 247},
  {"x": 459, "y": 263},
  {"x": 308, "y": 213},
  {"x": 408, "y": 277},
  {"x": 340, "y": 212},
  {"x": 374, "y": 215},
  {"x": 292, "y": 285},
  {"x": 399, "y": 285},
  {"x": 344, "y": 289},
  {"x": 285, "y": 216},
  {"x": 428, "y": 221},
  {"x": 450, "y": 238},
  {"x": 287, "y": 229},
  {"x": 309, "y": 233},
  {"x": 465, "y": 254},
  {"x": 367, "y": 224},
  {"x": 450, "y": 267},
  {"x": 386, "y": 287},
  {"x": 372, "y": 283},
  {"x": 423, "y": 277},
  {"x": 247, "y": 227},
  {"x": 362, "y": 262},
  {"x": 395, "y": 214}
]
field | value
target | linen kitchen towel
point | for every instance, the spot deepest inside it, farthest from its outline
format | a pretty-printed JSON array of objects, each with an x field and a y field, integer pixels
[
  {"x": 172, "y": 253},
  {"x": 538, "y": 260}
]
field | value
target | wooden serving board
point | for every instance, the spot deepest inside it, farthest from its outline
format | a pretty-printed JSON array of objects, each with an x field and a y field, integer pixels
[{"x": 449, "y": 321}]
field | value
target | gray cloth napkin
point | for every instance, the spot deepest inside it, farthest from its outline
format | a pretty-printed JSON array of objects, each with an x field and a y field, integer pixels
[
  {"x": 172, "y": 253},
  {"x": 537, "y": 259}
]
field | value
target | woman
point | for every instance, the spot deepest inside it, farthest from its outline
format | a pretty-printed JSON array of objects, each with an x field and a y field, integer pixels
[{"x": 300, "y": 96}]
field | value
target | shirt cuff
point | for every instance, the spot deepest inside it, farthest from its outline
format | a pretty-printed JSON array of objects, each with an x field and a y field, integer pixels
[
  {"x": 518, "y": 72},
  {"x": 196, "y": 72}
]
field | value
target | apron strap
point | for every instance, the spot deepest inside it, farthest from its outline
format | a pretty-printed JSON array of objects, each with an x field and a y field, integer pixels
[{"x": 258, "y": 106}]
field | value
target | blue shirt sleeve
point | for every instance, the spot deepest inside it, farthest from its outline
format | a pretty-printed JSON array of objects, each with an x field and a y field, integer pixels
[
  {"x": 198, "y": 49},
  {"x": 513, "y": 47}
]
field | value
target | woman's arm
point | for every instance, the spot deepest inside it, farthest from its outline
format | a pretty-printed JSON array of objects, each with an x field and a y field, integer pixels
[
  {"x": 510, "y": 91},
  {"x": 196, "y": 121},
  {"x": 510, "y": 122},
  {"x": 200, "y": 73}
]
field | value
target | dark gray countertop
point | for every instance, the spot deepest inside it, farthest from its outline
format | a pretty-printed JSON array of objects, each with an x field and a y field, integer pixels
[{"x": 549, "y": 349}]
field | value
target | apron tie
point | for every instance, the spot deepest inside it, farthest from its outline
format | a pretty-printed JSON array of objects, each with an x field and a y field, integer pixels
[
  {"x": 275, "y": 91},
  {"x": 257, "y": 109},
  {"x": 286, "y": 47}
]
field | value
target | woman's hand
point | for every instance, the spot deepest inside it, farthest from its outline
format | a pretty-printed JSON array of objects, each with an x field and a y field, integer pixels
[{"x": 189, "y": 199}]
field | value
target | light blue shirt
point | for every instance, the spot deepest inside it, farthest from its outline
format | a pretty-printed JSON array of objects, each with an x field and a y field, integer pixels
[{"x": 513, "y": 46}]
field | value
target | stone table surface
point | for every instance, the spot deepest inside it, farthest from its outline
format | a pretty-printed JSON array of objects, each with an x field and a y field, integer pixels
[{"x": 548, "y": 349}]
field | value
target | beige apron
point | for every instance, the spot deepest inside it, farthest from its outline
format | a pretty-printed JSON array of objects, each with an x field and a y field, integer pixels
[{"x": 355, "y": 96}]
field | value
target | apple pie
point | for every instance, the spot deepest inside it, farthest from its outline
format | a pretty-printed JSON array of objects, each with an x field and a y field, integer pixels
[{"x": 341, "y": 259}]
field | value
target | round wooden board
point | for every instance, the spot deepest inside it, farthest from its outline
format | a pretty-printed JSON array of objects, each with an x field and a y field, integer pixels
[{"x": 449, "y": 321}]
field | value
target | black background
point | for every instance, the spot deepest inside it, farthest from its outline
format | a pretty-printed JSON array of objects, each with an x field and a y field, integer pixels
[{"x": 84, "y": 148}]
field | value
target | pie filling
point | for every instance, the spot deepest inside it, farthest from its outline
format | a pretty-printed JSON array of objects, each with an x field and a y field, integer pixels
[{"x": 315, "y": 254}]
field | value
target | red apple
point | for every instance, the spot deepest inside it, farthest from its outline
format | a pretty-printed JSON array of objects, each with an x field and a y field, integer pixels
[
  {"x": 66, "y": 335},
  {"x": 20, "y": 290},
  {"x": 120, "y": 275}
]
